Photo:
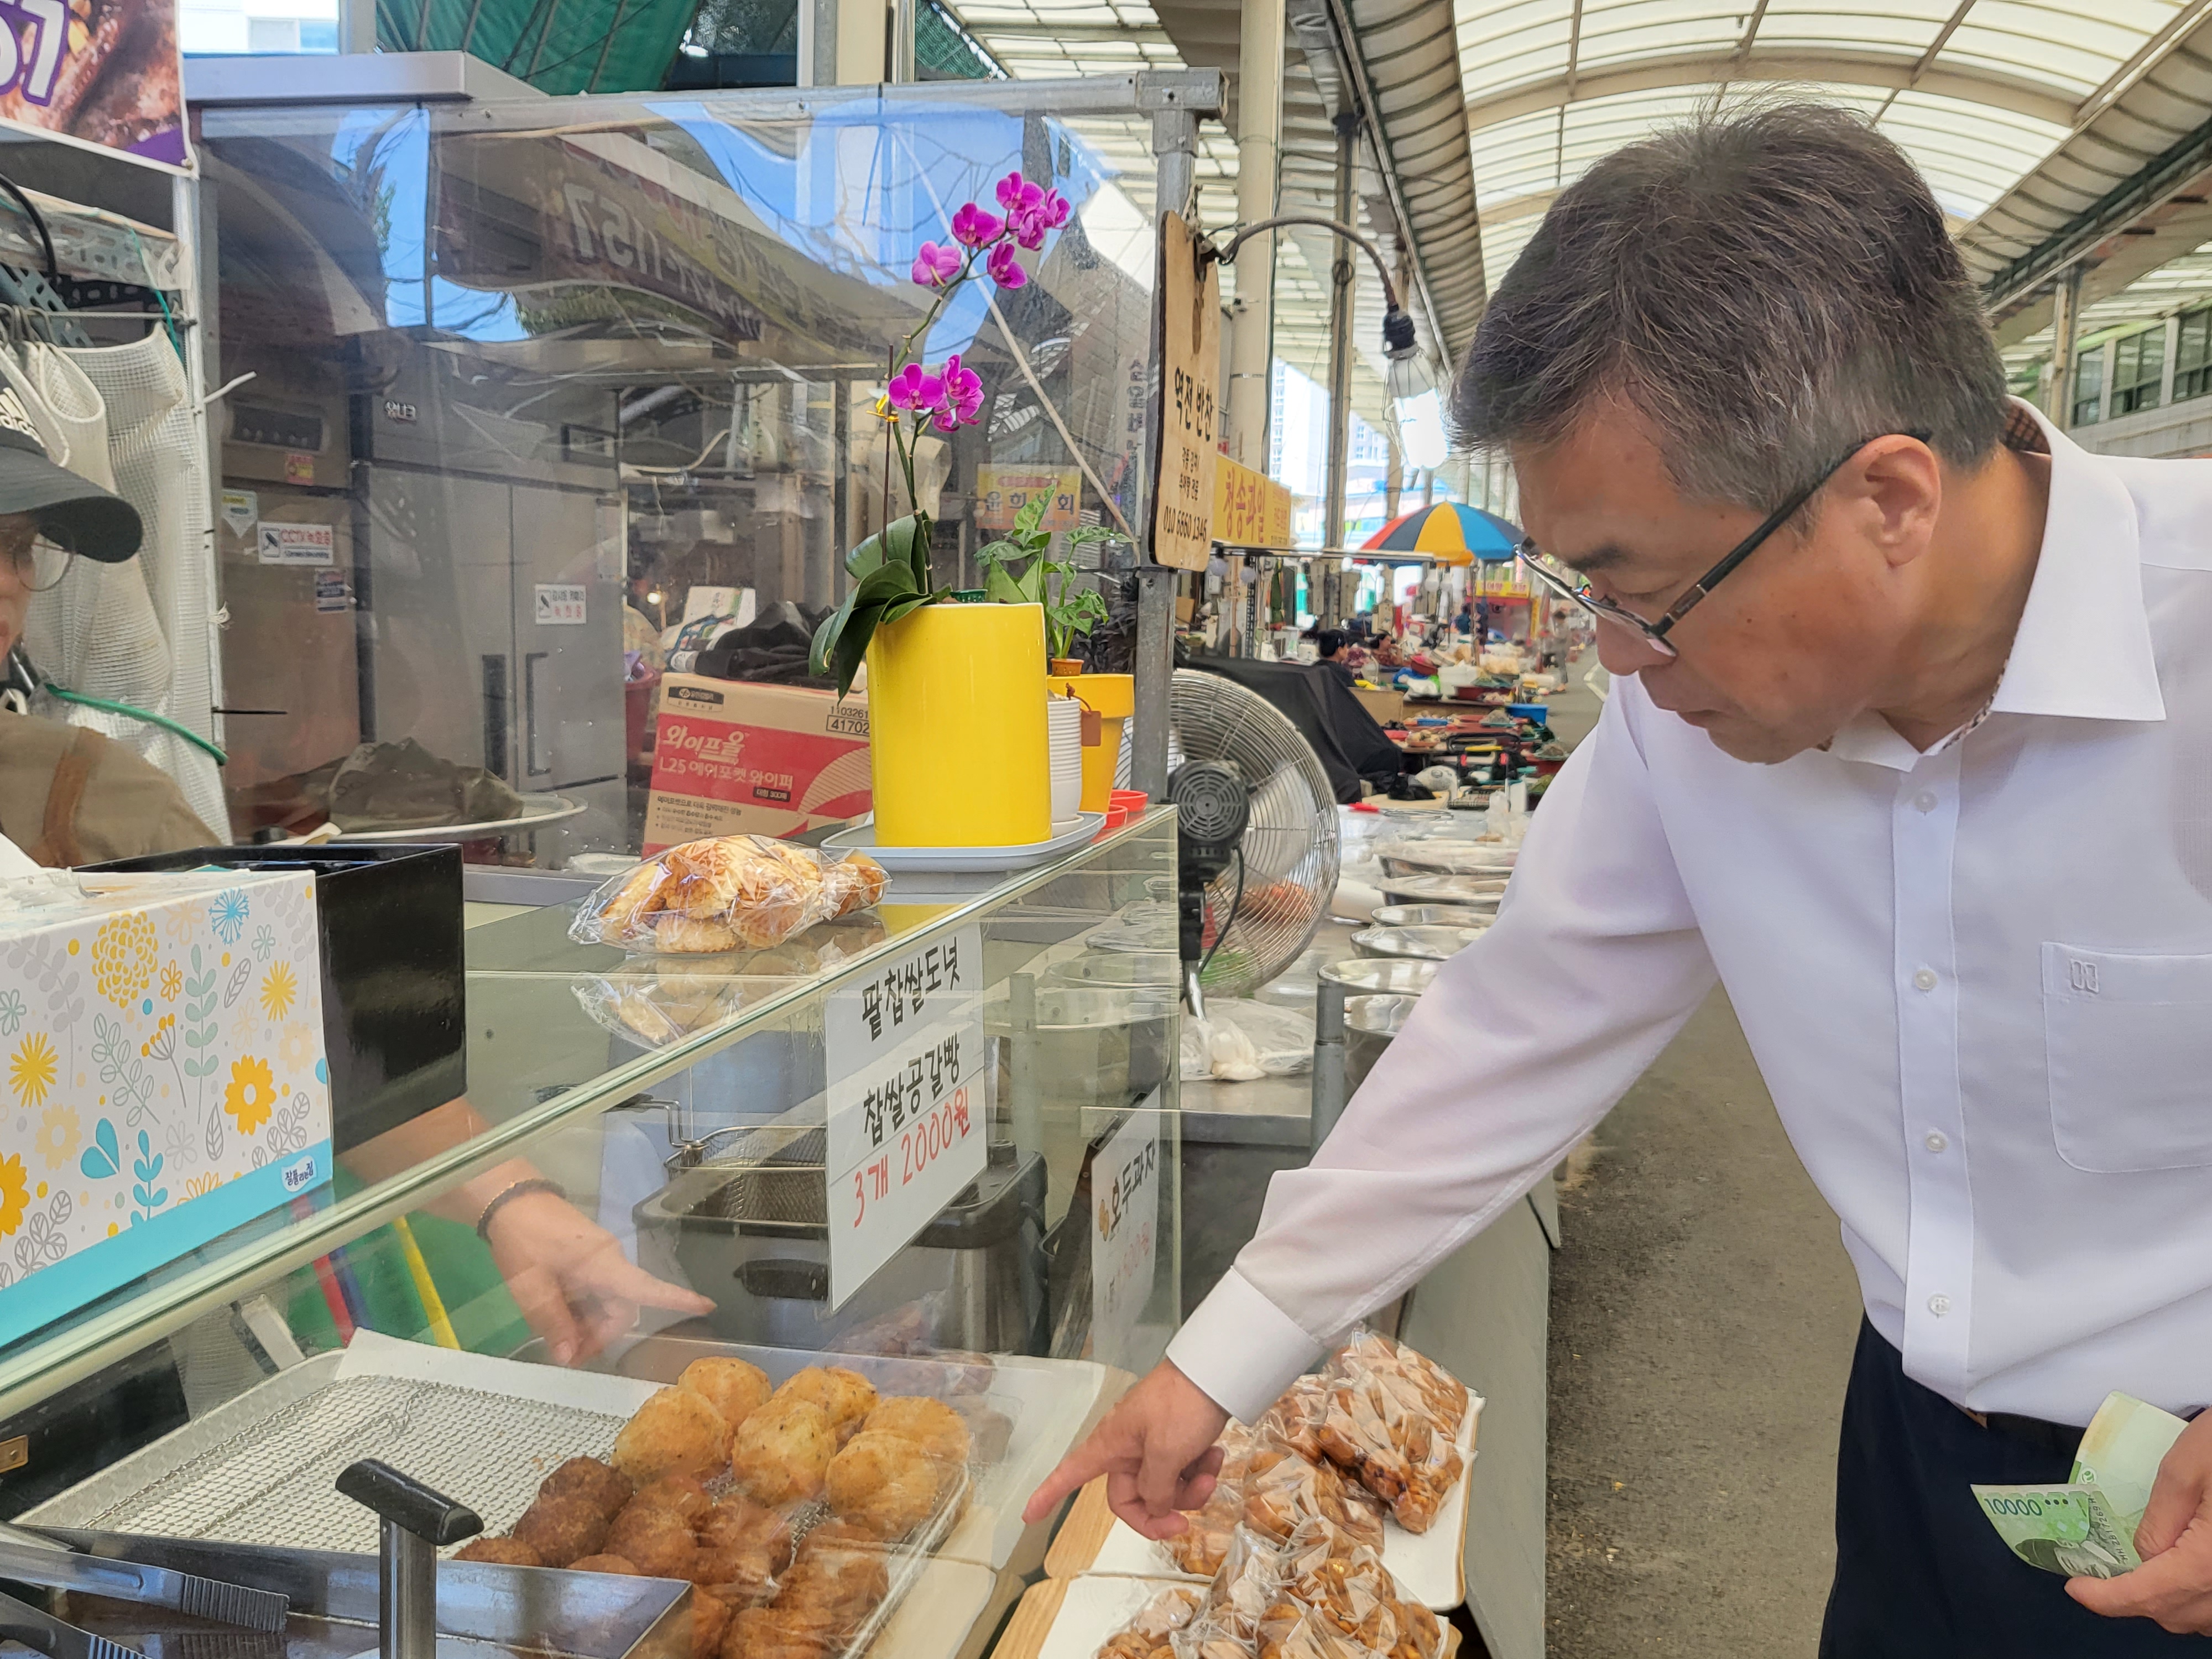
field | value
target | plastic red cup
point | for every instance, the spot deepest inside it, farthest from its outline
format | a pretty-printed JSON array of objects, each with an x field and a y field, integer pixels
[{"x": 1130, "y": 801}]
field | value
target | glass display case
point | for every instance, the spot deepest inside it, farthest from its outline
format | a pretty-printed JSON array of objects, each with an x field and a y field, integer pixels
[
  {"x": 936, "y": 1142},
  {"x": 536, "y": 384}
]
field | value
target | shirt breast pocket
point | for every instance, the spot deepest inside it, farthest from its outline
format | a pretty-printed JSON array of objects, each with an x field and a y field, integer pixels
[{"x": 2127, "y": 1041}]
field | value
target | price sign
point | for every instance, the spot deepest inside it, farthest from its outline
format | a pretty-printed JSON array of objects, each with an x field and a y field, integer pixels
[
  {"x": 908, "y": 1119},
  {"x": 1125, "y": 1213},
  {"x": 1189, "y": 394}
]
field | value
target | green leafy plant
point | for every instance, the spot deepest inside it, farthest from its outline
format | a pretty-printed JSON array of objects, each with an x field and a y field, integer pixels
[{"x": 1070, "y": 611}]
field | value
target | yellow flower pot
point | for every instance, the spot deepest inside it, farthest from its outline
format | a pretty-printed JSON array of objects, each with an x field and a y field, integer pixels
[
  {"x": 956, "y": 728},
  {"x": 1113, "y": 698}
]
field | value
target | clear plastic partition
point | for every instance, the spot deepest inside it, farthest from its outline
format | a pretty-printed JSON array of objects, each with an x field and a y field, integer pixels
[
  {"x": 949, "y": 1125},
  {"x": 536, "y": 384}
]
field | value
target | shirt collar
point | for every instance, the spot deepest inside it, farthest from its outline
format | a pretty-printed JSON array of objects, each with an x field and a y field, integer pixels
[{"x": 2085, "y": 604}]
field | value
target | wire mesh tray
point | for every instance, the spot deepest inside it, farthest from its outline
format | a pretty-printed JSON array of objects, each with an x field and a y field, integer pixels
[{"x": 262, "y": 1469}]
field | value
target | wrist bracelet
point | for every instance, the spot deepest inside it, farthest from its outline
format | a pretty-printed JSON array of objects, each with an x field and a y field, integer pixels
[{"x": 533, "y": 1184}]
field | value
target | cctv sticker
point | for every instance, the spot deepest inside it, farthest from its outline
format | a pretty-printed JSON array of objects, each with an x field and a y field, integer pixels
[{"x": 299, "y": 1176}]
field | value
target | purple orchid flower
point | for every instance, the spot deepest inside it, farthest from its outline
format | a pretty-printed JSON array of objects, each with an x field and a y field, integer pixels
[
  {"x": 976, "y": 227},
  {"x": 914, "y": 388},
  {"x": 1017, "y": 194},
  {"x": 963, "y": 402},
  {"x": 935, "y": 264},
  {"x": 1005, "y": 271}
]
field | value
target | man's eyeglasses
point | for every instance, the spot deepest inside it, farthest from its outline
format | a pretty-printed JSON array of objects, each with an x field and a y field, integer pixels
[
  {"x": 1557, "y": 579},
  {"x": 38, "y": 564}
]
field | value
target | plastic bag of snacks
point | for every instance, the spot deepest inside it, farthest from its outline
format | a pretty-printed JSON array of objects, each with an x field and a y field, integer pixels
[
  {"x": 733, "y": 892},
  {"x": 1404, "y": 1458},
  {"x": 1201, "y": 1547},
  {"x": 1294, "y": 1420},
  {"x": 1249, "y": 1584},
  {"x": 1284, "y": 1491},
  {"x": 1151, "y": 1632}
]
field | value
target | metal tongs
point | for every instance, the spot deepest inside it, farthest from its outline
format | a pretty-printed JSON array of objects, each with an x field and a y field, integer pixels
[
  {"x": 29, "y": 1559},
  {"x": 22, "y": 1622}
]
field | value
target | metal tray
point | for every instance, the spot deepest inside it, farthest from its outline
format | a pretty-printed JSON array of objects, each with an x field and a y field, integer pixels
[{"x": 262, "y": 1469}]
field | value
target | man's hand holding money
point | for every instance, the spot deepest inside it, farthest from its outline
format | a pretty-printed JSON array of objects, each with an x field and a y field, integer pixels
[{"x": 2174, "y": 1583}]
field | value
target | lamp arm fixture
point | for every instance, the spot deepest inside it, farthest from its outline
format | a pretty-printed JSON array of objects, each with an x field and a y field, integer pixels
[{"x": 1397, "y": 326}]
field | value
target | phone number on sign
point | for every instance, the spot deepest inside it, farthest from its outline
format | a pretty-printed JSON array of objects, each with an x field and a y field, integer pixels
[{"x": 919, "y": 1147}]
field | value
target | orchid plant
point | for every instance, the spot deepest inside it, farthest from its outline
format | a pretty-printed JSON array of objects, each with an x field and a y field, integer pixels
[{"x": 890, "y": 570}]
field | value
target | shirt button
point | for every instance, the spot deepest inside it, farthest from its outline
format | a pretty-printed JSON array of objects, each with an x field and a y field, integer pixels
[
  {"x": 1939, "y": 1305},
  {"x": 1924, "y": 979},
  {"x": 1925, "y": 800},
  {"x": 1936, "y": 1142}
]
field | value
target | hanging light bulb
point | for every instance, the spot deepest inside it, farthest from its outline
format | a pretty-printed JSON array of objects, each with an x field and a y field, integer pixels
[{"x": 1420, "y": 409}]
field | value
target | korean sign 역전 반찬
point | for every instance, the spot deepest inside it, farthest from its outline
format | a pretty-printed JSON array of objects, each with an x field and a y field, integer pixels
[
  {"x": 908, "y": 1060},
  {"x": 1190, "y": 413}
]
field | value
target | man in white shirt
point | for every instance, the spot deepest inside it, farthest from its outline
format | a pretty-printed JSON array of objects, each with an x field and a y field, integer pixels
[{"x": 1911, "y": 749}]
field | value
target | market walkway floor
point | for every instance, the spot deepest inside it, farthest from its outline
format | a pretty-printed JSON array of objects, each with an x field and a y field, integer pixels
[{"x": 1703, "y": 1314}]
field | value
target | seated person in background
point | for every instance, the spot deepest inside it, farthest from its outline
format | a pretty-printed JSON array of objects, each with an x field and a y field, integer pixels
[
  {"x": 69, "y": 795},
  {"x": 1330, "y": 643}
]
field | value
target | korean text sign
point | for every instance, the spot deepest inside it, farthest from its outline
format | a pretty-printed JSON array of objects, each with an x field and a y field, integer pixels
[{"x": 907, "y": 1060}]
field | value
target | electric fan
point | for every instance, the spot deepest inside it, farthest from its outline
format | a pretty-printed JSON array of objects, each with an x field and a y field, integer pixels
[{"x": 1263, "y": 901}]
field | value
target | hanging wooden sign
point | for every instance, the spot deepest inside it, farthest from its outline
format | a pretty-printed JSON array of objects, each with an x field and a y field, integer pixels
[{"x": 1189, "y": 415}]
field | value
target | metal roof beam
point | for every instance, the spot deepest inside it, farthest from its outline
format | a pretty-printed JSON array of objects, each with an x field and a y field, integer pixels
[{"x": 1850, "y": 68}]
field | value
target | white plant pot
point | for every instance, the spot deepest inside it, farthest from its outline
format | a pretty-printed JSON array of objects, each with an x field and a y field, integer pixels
[{"x": 1065, "y": 729}]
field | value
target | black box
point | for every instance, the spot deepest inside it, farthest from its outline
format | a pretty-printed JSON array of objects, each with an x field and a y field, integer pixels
[{"x": 394, "y": 991}]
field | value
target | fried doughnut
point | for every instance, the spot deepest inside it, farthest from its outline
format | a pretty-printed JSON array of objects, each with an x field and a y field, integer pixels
[
  {"x": 733, "y": 1387},
  {"x": 737, "y": 1521},
  {"x": 841, "y": 1573},
  {"x": 710, "y": 1620},
  {"x": 882, "y": 1483},
  {"x": 501, "y": 1552},
  {"x": 782, "y": 1451},
  {"x": 775, "y": 1633},
  {"x": 621, "y": 1566},
  {"x": 561, "y": 1528},
  {"x": 657, "y": 1541},
  {"x": 587, "y": 1477},
  {"x": 691, "y": 936},
  {"x": 643, "y": 892},
  {"x": 854, "y": 883},
  {"x": 675, "y": 1432},
  {"x": 930, "y": 1424},
  {"x": 739, "y": 1572},
  {"x": 681, "y": 1492},
  {"x": 846, "y": 1395}
]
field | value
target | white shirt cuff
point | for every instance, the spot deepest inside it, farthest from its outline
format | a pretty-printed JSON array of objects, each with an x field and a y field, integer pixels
[{"x": 1241, "y": 1349}]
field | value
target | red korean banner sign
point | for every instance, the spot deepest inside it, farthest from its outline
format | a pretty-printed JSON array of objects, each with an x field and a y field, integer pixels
[{"x": 105, "y": 73}]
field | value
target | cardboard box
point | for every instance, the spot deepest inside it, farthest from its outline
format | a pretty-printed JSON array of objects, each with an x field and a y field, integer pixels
[
  {"x": 731, "y": 758},
  {"x": 161, "y": 1045}
]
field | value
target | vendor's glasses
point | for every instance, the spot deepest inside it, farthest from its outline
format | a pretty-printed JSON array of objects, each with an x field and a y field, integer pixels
[
  {"x": 1556, "y": 579},
  {"x": 38, "y": 564}
]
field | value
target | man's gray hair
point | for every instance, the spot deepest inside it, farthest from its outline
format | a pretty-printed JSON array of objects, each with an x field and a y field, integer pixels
[{"x": 1765, "y": 290}]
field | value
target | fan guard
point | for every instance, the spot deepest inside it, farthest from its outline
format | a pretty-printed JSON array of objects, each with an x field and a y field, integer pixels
[{"x": 1290, "y": 846}]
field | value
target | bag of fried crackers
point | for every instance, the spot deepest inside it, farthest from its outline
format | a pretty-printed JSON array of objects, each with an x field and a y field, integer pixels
[
  {"x": 1200, "y": 1547},
  {"x": 1391, "y": 1421},
  {"x": 1283, "y": 1490},
  {"x": 1346, "y": 1585},
  {"x": 1150, "y": 1632},
  {"x": 728, "y": 893}
]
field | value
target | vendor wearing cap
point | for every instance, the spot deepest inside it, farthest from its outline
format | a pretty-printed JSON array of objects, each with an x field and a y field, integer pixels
[{"x": 69, "y": 795}]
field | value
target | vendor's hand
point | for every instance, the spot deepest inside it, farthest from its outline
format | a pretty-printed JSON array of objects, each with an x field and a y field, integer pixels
[
  {"x": 1156, "y": 1450},
  {"x": 2174, "y": 1583},
  {"x": 569, "y": 1277}
]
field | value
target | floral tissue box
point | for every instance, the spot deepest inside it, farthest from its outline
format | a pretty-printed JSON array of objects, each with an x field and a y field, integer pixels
[{"x": 162, "y": 1078}]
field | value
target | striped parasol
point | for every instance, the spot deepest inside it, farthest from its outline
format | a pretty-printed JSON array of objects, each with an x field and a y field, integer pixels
[{"x": 1453, "y": 532}]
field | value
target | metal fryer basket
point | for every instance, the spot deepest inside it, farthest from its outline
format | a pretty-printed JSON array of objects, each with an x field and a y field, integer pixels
[{"x": 774, "y": 1176}]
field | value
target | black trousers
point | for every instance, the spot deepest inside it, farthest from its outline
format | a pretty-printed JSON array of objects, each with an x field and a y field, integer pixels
[{"x": 1919, "y": 1569}]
